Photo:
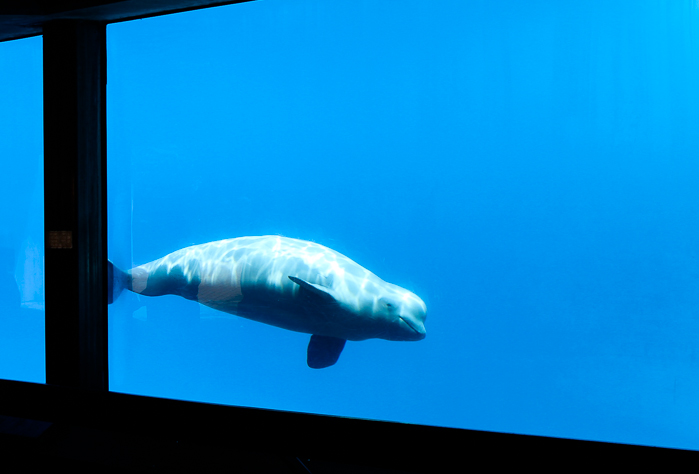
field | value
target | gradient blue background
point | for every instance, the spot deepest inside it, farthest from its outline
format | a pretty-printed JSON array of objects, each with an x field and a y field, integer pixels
[
  {"x": 22, "y": 354},
  {"x": 528, "y": 168}
]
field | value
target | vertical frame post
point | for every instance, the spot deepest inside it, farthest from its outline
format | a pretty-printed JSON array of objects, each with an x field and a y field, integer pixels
[{"x": 75, "y": 203}]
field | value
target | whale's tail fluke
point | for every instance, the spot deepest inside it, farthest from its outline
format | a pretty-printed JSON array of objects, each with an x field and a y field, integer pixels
[{"x": 117, "y": 280}]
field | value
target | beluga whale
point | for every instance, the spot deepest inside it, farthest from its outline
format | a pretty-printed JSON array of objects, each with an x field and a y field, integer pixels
[{"x": 288, "y": 283}]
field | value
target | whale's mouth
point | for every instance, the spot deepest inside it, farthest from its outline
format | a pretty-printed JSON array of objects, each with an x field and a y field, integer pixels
[{"x": 419, "y": 334}]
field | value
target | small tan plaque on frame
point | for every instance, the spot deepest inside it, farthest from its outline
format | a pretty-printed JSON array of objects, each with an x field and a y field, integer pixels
[{"x": 60, "y": 239}]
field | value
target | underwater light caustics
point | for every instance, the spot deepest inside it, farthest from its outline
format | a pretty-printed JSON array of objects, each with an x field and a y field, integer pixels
[{"x": 288, "y": 283}]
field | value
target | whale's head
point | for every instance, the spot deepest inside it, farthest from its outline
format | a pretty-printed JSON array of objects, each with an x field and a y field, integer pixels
[
  {"x": 404, "y": 312},
  {"x": 395, "y": 313}
]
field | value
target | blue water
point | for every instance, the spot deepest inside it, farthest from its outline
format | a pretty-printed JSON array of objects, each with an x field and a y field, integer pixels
[
  {"x": 529, "y": 169},
  {"x": 22, "y": 355}
]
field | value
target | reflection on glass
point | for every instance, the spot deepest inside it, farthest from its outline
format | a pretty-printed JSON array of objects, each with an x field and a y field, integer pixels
[
  {"x": 21, "y": 235},
  {"x": 529, "y": 171}
]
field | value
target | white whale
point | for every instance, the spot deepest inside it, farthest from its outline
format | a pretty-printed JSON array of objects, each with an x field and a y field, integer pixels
[{"x": 289, "y": 283}]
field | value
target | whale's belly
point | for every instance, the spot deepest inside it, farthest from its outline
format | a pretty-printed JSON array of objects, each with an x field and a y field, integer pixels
[{"x": 261, "y": 291}]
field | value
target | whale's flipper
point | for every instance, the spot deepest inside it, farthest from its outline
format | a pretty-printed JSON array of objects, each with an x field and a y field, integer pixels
[
  {"x": 117, "y": 280},
  {"x": 323, "y": 351},
  {"x": 318, "y": 291}
]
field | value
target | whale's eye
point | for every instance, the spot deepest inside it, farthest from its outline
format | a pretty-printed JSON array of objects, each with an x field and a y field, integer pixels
[{"x": 386, "y": 304}]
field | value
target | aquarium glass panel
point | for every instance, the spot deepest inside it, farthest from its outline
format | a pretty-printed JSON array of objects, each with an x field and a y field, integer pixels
[
  {"x": 22, "y": 212},
  {"x": 517, "y": 182}
]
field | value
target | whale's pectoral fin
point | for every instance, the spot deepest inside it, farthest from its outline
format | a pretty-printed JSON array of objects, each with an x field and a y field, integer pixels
[
  {"x": 316, "y": 290},
  {"x": 323, "y": 351}
]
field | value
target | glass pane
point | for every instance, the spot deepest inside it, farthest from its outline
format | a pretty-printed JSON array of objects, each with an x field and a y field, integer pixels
[
  {"x": 22, "y": 193},
  {"x": 528, "y": 169}
]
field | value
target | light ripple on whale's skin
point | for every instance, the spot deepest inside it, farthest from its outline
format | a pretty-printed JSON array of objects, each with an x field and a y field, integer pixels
[{"x": 225, "y": 275}]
